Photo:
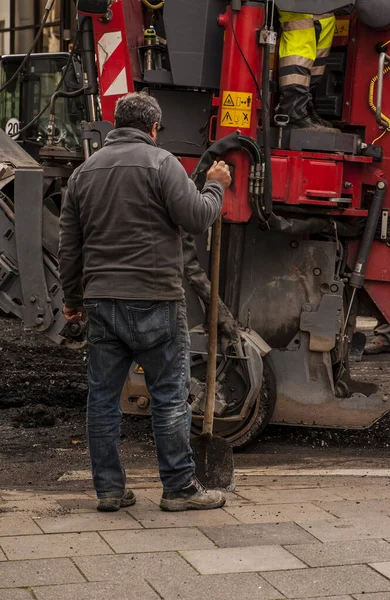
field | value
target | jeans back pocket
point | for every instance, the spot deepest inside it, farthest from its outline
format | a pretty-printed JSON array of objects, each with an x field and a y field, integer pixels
[{"x": 151, "y": 323}]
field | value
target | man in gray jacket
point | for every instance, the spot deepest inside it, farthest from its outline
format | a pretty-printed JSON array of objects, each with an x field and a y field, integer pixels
[{"x": 121, "y": 258}]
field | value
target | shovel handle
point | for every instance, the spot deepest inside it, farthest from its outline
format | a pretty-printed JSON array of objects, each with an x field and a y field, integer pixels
[{"x": 208, "y": 419}]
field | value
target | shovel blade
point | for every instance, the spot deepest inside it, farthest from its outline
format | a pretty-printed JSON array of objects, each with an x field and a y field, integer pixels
[{"x": 213, "y": 458}]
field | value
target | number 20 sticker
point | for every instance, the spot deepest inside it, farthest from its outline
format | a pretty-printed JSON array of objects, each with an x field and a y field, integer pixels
[{"x": 12, "y": 128}]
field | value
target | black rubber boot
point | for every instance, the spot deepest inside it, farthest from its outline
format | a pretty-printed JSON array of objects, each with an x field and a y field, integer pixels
[
  {"x": 318, "y": 119},
  {"x": 307, "y": 123}
]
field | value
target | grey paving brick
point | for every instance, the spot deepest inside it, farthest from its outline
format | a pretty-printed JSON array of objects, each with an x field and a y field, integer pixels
[
  {"x": 151, "y": 517},
  {"x": 242, "y": 560},
  {"x": 89, "y": 522},
  {"x": 276, "y": 513},
  {"x": 288, "y": 496},
  {"x": 257, "y": 480},
  {"x": 328, "y": 581},
  {"x": 334, "y": 482},
  {"x": 126, "y": 567},
  {"x": 156, "y": 540},
  {"x": 381, "y": 566},
  {"x": 33, "y": 506},
  {"x": 55, "y": 545},
  {"x": 301, "y": 481},
  {"x": 2, "y": 556},
  {"x": 330, "y": 598},
  {"x": 16, "y": 494},
  {"x": 78, "y": 504},
  {"x": 376, "y": 596},
  {"x": 38, "y": 572},
  {"x": 14, "y": 524},
  {"x": 333, "y": 530},
  {"x": 363, "y": 492},
  {"x": 135, "y": 590},
  {"x": 259, "y": 534},
  {"x": 245, "y": 586},
  {"x": 342, "y": 553},
  {"x": 15, "y": 594},
  {"x": 356, "y": 508},
  {"x": 26, "y": 494}
]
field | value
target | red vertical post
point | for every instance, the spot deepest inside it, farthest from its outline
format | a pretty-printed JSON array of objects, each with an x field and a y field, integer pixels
[
  {"x": 113, "y": 58},
  {"x": 240, "y": 102}
]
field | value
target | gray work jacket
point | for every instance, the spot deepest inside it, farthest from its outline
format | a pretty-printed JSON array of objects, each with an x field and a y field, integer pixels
[{"x": 119, "y": 226}]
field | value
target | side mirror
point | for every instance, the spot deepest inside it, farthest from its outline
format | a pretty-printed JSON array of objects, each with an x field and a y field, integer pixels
[{"x": 74, "y": 78}]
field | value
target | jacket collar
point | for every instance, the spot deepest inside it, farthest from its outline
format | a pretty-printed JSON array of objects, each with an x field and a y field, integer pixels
[{"x": 128, "y": 135}]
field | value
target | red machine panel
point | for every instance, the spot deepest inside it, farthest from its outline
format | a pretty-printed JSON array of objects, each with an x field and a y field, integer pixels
[
  {"x": 239, "y": 99},
  {"x": 113, "y": 57}
]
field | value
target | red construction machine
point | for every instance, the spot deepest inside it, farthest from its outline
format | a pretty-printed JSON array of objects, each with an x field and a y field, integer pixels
[{"x": 306, "y": 233}]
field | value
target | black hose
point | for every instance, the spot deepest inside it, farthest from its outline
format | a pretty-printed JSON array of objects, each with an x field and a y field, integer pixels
[
  {"x": 61, "y": 94},
  {"x": 267, "y": 197},
  {"x": 87, "y": 52},
  {"x": 358, "y": 275},
  {"x": 219, "y": 148}
]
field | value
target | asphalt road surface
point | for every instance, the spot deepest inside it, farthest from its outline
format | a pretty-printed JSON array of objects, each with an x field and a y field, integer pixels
[{"x": 42, "y": 420}]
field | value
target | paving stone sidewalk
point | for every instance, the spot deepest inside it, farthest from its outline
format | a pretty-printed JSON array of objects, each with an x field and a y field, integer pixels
[{"x": 297, "y": 537}]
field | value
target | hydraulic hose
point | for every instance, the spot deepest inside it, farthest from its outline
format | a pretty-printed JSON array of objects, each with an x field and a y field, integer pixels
[
  {"x": 87, "y": 51},
  {"x": 219, "y": 148},
  {"x": 358, "y": 275},
  {"x": 58, "y": 94},
  {"x": 371, "y": 97}
]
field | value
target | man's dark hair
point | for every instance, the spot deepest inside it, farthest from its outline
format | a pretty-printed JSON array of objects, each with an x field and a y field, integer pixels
[{"x": 138, "y": 111}]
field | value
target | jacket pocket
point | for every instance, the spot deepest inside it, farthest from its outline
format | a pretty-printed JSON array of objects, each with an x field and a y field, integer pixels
[
  {"x": 151, "y": 323},
  {"x": 96, "y": 331}
]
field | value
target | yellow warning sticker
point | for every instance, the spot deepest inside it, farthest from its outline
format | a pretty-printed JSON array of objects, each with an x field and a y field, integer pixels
[
  {"x": 342, "y": 28},
  {"x": 236, "y": 109}
]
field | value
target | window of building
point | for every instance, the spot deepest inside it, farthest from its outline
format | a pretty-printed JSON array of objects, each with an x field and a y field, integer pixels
[
  {"x": 20, "y": 20},
  {"x": 2, "y": 37}
]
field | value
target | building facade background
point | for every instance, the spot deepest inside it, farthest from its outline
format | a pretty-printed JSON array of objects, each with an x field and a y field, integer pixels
[{"x": 20, "y": 21}]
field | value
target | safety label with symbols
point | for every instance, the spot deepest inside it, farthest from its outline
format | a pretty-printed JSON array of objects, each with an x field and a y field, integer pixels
[
  {"x": 342, "y": 28},
  {"x": 236, "y": 109}
]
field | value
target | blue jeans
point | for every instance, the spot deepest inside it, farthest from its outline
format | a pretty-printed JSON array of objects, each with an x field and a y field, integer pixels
[{"x": 155, "y": 336}]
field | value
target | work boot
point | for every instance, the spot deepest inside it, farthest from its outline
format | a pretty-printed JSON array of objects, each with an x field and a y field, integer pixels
[
  {"x": 378, "y": 345},
  {"x": 114, "y": 504},
  {"x": 318, "y": 119},
  {"x": 192, "y": 497},
  {"x": 307, "y": 122}
]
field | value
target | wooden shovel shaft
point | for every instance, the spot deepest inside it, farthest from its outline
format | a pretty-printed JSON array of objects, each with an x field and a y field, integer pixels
[{"x": 213, "y": 328}]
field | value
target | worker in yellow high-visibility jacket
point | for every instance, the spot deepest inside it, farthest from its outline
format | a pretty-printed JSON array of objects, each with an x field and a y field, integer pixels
[{"x": 304, "y": 48}]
